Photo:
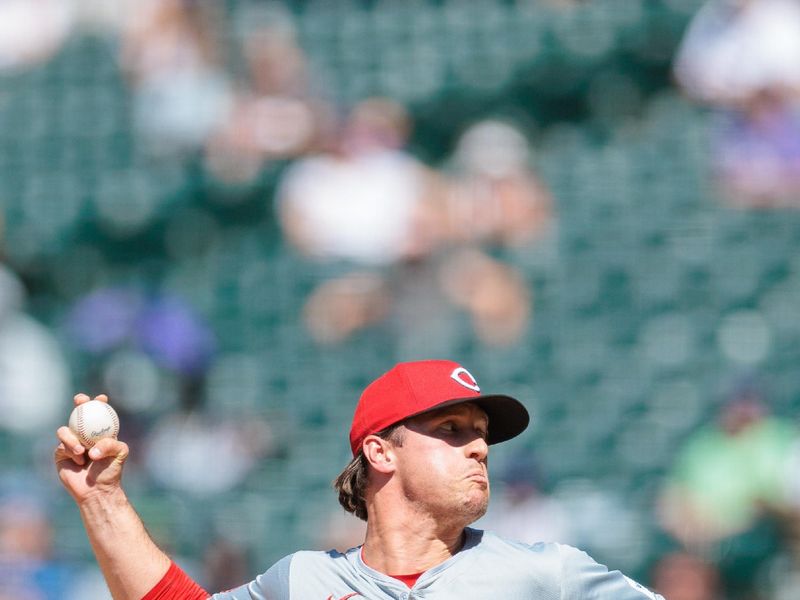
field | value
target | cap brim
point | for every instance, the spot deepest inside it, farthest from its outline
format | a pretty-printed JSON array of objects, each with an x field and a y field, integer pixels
[{"x": 508, "y": 417}]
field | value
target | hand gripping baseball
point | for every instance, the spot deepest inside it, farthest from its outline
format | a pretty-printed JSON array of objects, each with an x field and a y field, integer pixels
[{"x": 85, "y": 472}]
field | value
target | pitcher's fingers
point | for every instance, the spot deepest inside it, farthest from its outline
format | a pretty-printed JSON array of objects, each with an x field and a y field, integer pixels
[
  {"x": 70, "y": 440},
  {"x": 109, "y": 447},
  {"x": 80, "y": 398},
  {"x": 63, "y": 452}
]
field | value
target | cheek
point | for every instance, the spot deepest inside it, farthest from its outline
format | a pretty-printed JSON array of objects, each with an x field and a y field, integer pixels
[
  {"x": 447, "y": 473},
  {"x": 429, "y": 468}
]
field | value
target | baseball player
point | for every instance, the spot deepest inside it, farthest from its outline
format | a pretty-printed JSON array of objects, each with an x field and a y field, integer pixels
[{"x": 420, "y": 439}]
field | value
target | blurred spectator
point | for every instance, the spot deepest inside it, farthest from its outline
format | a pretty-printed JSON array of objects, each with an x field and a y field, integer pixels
[
  {"x": 399, "y": 227},
  {"x": 162, "y": 326},
  {"x": 34, "y": 380},
  {"x": 172, "y": 56},
  {"x": 742, "y": 57},
  {"x": 144, "y": 350},
  {"x": 496, "y": 203},
  {"x": 277, "y": 113},
  {"x": 203, "y": 452},
  {"x": 708, "y": 497},
  {"x": 728, "y": 494},
  {"x": 756, "y": 152},
  {"x": 683, "y": 576},
  {"x": 343, "y": 305},
  {"x": 134, "y": 334},
  {"x": 493, "y": 293},
  {"x": 32, "y": 31},
  {"x": 360, "y": 208},
  {"x": 520, "y": 508},
  {"x": 495, "y": 195},
  {"x": 175, "y": 336},
  {"x": 362, "y": 202},
  {"x": 733, "y": 50},
  {"x": 28, "y": 570}
]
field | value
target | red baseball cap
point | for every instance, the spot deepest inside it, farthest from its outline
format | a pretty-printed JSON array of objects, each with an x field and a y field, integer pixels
[{"x": 412, "y": 388}]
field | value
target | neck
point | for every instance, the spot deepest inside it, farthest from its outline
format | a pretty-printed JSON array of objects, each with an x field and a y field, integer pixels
[{"x": 398, "y": 546}]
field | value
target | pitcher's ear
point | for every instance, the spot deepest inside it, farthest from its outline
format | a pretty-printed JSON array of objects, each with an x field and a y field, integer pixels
[{"x": 379, "y": 453}]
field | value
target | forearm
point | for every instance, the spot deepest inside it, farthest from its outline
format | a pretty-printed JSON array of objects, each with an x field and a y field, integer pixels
[{"x": 131, "y": 562}]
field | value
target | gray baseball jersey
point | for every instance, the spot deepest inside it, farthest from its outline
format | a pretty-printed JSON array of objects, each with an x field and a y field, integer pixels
[{"x": 488, "y": 566}]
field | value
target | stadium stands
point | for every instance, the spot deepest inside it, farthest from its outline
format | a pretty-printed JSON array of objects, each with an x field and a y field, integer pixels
[{"x": 643, "y": 303}]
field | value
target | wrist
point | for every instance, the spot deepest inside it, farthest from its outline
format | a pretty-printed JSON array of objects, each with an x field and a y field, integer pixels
[{"x": 102, "y": 500}]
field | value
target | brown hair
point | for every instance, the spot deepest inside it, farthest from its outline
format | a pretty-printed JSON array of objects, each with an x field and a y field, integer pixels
[{"x": 351, "y": 484}]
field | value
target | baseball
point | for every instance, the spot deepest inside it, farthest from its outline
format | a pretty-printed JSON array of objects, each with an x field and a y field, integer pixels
[{"x": 93, "y": 421}]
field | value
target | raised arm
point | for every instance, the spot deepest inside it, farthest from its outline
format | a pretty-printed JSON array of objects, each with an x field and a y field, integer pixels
[{"x": 131, "y": 562}]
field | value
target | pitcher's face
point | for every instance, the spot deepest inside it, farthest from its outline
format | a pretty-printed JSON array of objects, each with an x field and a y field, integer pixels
[{"x": 442, "y": 463}]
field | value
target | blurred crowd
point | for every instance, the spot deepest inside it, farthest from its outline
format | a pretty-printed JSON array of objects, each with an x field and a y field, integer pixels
[
  {"x": 730, "y": 506},
  {"x": 396, "y": 244},
  {"x": 741, "y": 59}
]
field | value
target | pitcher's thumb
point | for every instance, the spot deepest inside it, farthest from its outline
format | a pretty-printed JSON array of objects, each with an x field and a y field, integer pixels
[{"x": 109, "y": 447}]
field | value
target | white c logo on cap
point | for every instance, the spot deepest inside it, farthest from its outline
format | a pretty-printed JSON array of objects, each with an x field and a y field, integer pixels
[{"x": 469, "y": 382}]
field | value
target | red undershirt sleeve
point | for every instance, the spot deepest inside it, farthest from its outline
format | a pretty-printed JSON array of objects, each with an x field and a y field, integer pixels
[{"x": 176, "y": 585}]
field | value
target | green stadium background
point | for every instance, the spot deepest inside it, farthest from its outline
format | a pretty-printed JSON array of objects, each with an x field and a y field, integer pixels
[{"x": 653, "y": 297}]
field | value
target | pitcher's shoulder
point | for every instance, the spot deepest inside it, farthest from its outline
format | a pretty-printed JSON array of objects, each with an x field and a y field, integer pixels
[
  {"x": 324, "y": 559},
  {"x": 543, "y": 555},
  {"x": 490, "y": 539}
]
